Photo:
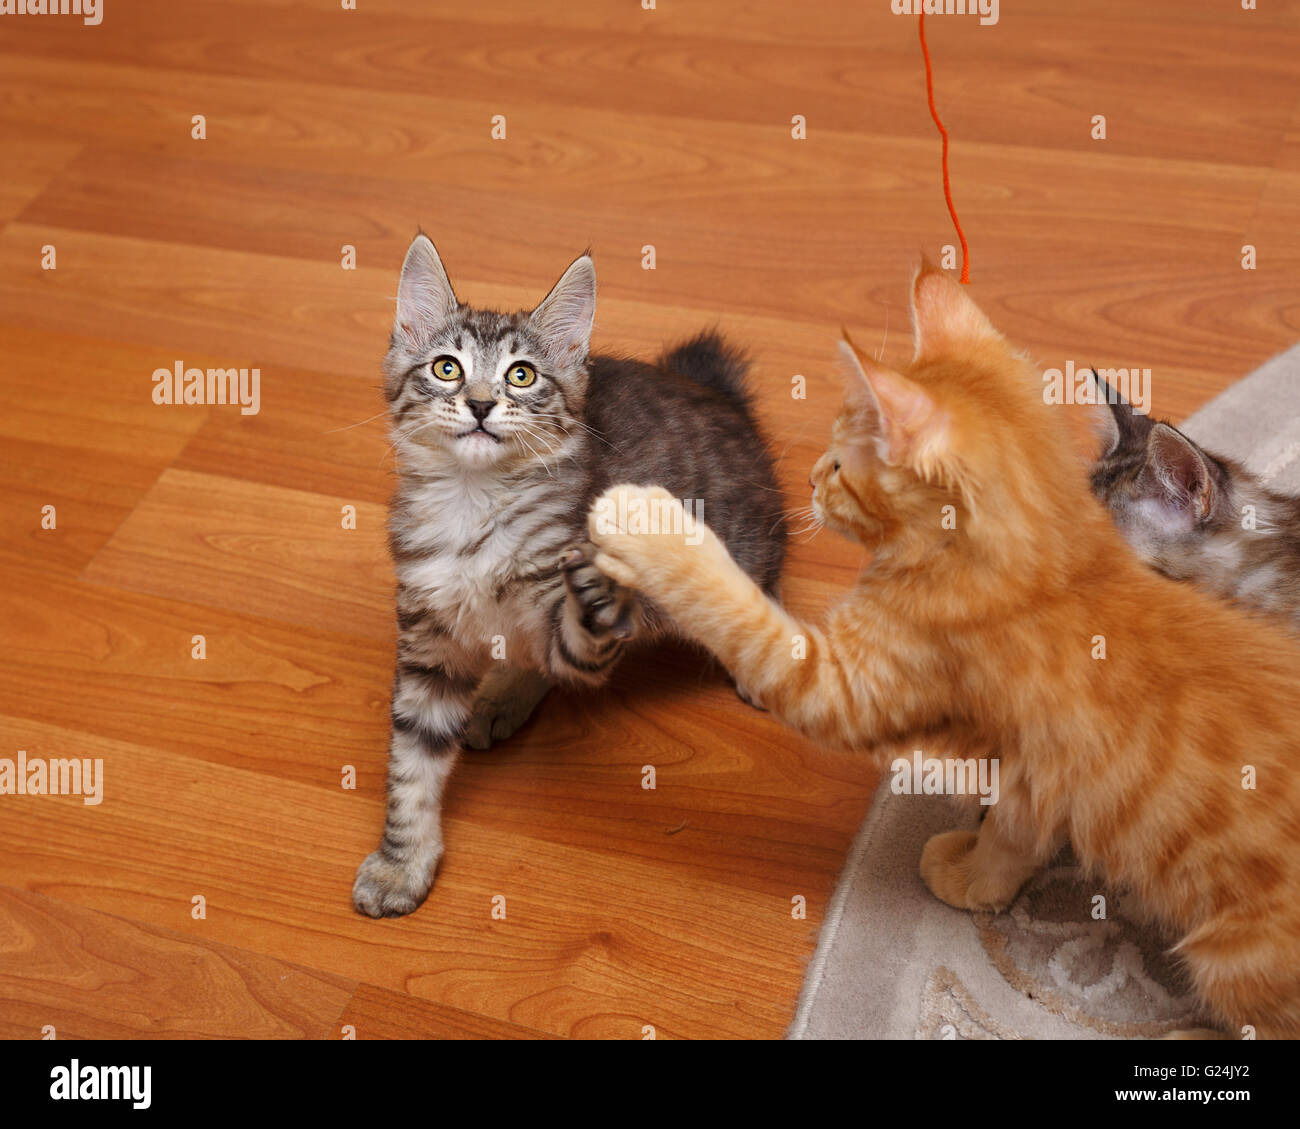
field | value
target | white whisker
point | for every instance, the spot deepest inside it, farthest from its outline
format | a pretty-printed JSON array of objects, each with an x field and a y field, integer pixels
[{"x": 350, "y": 426}]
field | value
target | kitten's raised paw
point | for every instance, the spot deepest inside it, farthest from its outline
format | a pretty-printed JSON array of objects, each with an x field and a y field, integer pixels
[
  {"x": 384, "y": 888},
  {"x": 605, "y": 608}
]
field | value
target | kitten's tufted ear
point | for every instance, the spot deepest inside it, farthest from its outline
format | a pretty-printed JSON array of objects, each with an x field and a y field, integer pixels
[
  {"x": 910, "y": 429},
  {"x": 564, "y": 316},
  {"x": 425, "y": 299},
  {"x": 851, "y": 366},
  {"x": 1114, "y": 421},
  {"x": 1179, "y": 470},
  {"x": 945, "y": 321},
  {"x": 1104, "y": 417}
]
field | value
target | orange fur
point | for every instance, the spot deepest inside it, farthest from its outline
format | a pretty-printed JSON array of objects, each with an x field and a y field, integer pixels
[{"x": 987, "y": 630}]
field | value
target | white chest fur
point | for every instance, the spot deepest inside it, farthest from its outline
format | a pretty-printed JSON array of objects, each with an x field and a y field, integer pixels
[{"x": 467, "y": 557}]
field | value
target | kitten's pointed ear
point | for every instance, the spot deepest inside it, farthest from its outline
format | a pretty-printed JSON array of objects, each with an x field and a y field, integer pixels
[
  {"x": 1114, "y": 419},
  {"x": 564, "y": 316},
  {"x": 857, "y": 387},
  {"x": 425, "y": 299},
  {"x": 910, "y": 428},
  {"x": 1104, "y": 417},
  {"x": 945, "y": 320},
  {"x": 1179, "y": 469}
]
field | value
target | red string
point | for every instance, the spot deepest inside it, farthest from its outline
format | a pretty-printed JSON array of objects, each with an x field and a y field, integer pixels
[{"x": 947, "y": 184}]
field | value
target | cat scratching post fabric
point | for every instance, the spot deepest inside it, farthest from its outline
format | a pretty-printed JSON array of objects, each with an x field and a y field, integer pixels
[{"x": 893, "y": 962}]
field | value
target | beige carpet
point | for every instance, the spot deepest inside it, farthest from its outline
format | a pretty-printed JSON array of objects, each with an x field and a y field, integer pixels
[{"x": 893, "y": 962}]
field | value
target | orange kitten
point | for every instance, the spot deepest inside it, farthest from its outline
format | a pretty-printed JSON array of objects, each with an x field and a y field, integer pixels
[{"x": 1153, "y": 727}]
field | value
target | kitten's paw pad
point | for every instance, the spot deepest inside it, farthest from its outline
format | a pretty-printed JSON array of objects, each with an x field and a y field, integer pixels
[
  {"x": 604, "y": 606},
  {"x": 386, "y": 889}
]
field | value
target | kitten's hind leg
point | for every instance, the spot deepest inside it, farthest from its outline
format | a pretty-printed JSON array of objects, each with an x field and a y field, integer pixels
[{"x": 505, "y": 699}]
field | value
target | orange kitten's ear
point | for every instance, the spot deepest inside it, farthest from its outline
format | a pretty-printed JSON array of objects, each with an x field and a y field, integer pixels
[
  {"x": 909, "y": 427},
  {"x": 945, "y": 320},
  {"x": 849, "y": 363}
]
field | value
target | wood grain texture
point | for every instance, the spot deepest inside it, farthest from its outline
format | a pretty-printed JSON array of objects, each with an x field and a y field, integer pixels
[
  {"x": 374, "y": 1013},
  {"x": 94, "y": 976},
  {"x": 225, "y": 776}
]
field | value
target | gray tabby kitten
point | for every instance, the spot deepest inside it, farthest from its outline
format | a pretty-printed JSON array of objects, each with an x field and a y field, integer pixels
[
  {"x": 505, "y": 431},
  {"x": 1184, "y": 512}
]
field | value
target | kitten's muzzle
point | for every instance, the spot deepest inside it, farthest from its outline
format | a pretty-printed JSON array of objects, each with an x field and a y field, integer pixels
[
  {"x": 480, "y": 430},
  {"x": 481, "y": 409}
]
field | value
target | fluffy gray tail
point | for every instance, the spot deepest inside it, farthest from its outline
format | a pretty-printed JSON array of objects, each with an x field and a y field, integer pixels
[{"x": 709, "y": 360}]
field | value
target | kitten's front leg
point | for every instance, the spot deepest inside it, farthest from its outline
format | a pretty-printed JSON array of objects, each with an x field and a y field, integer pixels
[
  {"x": 589, "y": 623},
  {"x": 593, "y": 620},
  {"x": 433, "y": 692},
  {"x": 800, "y": 673}
]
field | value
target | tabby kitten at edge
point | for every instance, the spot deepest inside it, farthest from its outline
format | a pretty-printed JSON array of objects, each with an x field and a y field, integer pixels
[
  {"x": 504, "y": 431},
  {"x": 1182, "y": 511},
  {"x": 990, "y": 628}
]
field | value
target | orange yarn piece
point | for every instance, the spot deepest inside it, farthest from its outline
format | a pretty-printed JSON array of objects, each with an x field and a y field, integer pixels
[{"x": 947, "y": 184}]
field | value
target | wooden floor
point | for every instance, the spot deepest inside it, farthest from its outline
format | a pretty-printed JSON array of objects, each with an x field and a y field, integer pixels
[{"x": 625, "y": 908}]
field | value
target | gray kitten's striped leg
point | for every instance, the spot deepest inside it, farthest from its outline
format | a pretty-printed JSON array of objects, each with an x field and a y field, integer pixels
[
  {"x": 589, "y": 625},
  {"x": 592, "y": 621},
  {"x": 432, "y": 700},
  {"x": 506, "y": 699}
]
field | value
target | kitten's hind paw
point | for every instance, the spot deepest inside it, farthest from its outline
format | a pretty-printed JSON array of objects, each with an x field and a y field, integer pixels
[
  {"x": 387, "y": 889},
  {"x": 505, "y": 700},
  {"x": 603, "y": 606}
]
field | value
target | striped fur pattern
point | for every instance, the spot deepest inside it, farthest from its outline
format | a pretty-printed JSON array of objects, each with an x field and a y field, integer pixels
[
  {"x": 504, "y": 431},
  {"x": 1196, "y": 516},
  {"x": 1153, "y": 726}
]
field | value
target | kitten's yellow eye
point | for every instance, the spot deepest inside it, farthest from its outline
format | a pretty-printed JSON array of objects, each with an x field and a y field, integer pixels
[
  {"x": 521, "y": 374},
  {"x": 447, "y": 368}
]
